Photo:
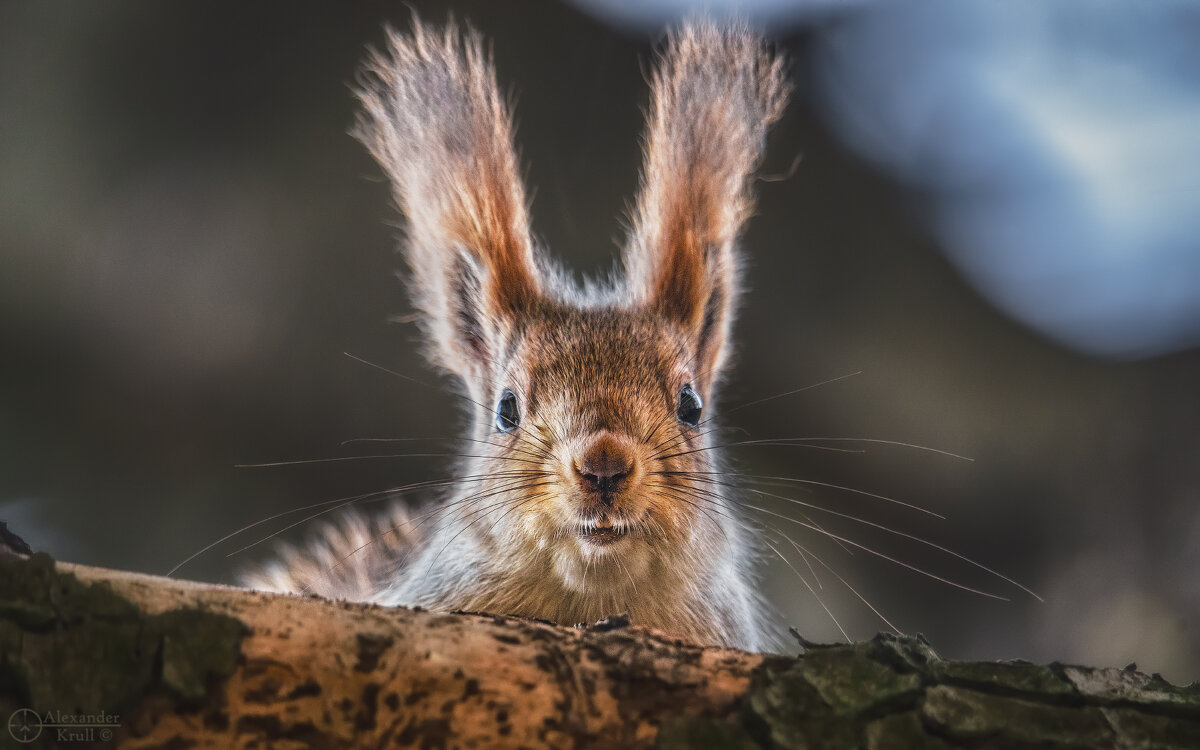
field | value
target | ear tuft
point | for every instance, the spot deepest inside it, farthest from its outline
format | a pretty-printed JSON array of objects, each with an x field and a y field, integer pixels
[
  {"x": 715, "y": 93},
  {"x": 433, "y": 118}
]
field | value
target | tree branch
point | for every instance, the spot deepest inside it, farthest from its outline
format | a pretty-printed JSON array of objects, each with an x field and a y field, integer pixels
[{"x": 178, "y": 664}]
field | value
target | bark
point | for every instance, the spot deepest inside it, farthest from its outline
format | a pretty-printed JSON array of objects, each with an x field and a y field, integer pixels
[{"x": 173, "y": 664}]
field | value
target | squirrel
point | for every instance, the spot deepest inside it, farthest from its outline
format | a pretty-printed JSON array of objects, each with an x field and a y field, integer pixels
[{"x": 591, "y": 486}]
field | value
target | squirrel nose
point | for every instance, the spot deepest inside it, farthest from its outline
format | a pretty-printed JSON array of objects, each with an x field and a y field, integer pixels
[{"x": 604, "y": 466}]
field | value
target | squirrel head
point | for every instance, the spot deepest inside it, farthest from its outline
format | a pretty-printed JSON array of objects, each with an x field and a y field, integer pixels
[{"x": 586, "y": 407}]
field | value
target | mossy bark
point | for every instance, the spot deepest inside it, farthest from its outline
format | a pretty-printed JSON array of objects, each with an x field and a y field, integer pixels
[{"x": 143, "y": 662}]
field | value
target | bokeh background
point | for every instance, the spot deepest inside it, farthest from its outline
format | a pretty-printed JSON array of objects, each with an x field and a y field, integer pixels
[{"x": 995, "y": 218}]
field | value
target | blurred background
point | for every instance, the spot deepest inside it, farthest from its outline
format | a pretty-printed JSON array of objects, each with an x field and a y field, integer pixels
[{"x": 994, "y": 218}]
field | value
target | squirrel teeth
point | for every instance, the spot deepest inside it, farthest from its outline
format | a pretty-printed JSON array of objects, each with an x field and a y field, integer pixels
[{"x": 601, "y": 531}]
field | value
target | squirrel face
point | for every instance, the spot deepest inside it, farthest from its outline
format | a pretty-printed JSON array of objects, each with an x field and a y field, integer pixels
[{"x": 602, "y": 403}]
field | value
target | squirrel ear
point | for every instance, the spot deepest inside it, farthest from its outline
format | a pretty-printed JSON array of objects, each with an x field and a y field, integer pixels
[
  {"x": 434, "y": 120},
  {"x": 716, "y": 91}
]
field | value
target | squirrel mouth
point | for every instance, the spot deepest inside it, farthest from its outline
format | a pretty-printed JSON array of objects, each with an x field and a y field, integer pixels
[{"x": 601, "y": 531}]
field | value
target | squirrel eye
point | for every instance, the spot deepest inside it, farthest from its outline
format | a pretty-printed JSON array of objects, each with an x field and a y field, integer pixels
[
  {"x": 689, "y": 406},
  {"x": 507, "y": 414}
]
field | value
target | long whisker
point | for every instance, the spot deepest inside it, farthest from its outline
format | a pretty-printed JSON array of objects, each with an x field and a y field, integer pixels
[
  {"x": 397, "y": 527},
  {"x": 877, "y": 441},
  {"x": 811, "y": 590},
  {"x": 533, "y": 451},
  {"x": 807, "y": 443},
  {"x": 338, "y": 503},
  {"x": 402, "y": 376},
  {"x": 844, "y": 582},
  {"x": 756, "y": 402},
  {"x": 517, "y": 503},
  {"x": 889, "y": 530},
  {"x": 447, "y": 481},
  {"x": 338, "y": 507},
  {"x": 536, "y": 479},
  {"x": 804, "y": 553},
  {"x": 522, "y": 501},
  {"x": 673, "y": 443},
  {"x": 877, "y": 553},
  {"x": 809, "y": 482},
  {"x": 632, "y": 583},
  {"x": 338, "y": 459},
  {"x": 792, "y": 392},
  {"x": 409, "y": 378},
  {"x": 846, "y": 549},
  {"x": 677, "y": 492}
]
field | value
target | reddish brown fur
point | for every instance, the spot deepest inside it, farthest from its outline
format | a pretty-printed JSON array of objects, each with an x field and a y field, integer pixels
[
  {"x": 433, "y": 118},
  {"x": 599, "y": 375},
  {"x": 714, "y": 96}
]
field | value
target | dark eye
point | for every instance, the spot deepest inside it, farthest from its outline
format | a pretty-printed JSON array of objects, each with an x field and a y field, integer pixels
[
  {"x": 507, "y": 414},
  {"x": 689, "y": 406}
]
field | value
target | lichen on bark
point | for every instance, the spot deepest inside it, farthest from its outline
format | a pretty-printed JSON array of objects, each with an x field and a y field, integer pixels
[{"x": 78, "y": 648}]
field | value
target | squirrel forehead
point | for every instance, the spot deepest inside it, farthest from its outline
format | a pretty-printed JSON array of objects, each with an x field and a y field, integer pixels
[{"x": 603, "y": 351}]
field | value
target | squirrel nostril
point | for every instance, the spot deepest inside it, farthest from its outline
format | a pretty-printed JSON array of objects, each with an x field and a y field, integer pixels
[
  {"x": 604, "y": 484},
  {"x": 604, "y": 465}
]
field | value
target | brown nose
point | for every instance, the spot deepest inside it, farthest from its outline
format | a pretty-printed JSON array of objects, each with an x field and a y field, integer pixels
[{"x": 604, "y": 466}]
